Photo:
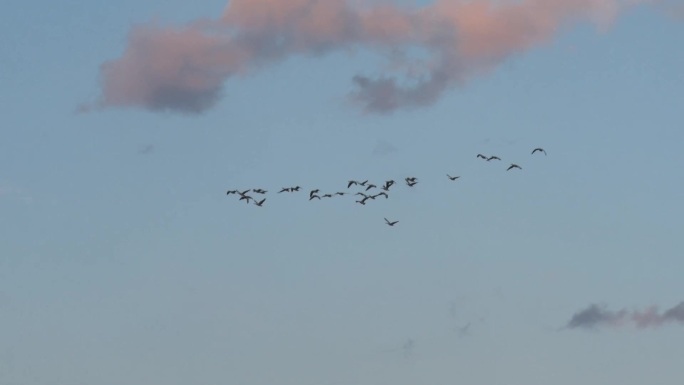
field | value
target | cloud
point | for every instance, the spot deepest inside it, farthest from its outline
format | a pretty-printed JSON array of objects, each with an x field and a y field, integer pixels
[
  {"x": 597, "y": 316},
  {"x": 431, "y": 48}
]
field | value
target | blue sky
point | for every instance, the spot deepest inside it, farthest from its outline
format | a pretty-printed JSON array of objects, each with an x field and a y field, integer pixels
[{"x": 122, "y": 260}]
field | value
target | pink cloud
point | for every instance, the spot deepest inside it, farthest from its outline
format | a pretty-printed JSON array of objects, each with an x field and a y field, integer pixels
[{"x": 185, "y": 68}]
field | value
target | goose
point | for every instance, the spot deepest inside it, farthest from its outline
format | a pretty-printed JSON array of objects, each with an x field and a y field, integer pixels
[
  {"x": 512, "y": 166},
  {"x": 391, "y": 223},
  {"x": 538, "y": 149}
]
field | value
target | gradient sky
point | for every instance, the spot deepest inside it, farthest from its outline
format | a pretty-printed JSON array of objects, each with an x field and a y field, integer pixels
[{"x": 123, "y": 261}]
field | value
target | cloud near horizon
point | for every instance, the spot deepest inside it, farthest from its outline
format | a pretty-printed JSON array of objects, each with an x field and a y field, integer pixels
[
  {"x": 596, "y": 316},
  {"x": 183, "y": 69}
]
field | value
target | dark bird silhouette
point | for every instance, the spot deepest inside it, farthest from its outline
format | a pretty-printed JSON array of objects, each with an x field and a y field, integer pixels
[
  {"x": 246, "y": 198},
  {"x": 538, "y": 149},
  {"x": 285, "y": 189},
  {"x": 452, "y": 177},
  {"x": 327, "y": 196},
  {"x": 391, "y": 223},
  {"x": 314, "y": 196},
  {"x": 313, "y": 192},
  {"x": 363, "y": 183},
  {"x": 377, "y": 195},
  {"x": 340, "y": 193},
  {"x": 244, "y": 192},
  {"x": 387, "y": 185},
  {"x": 370, "y": 186},
  {"x": 362, "y": 201},
  {"x": 481, "y": 156},
  {"x": 513, "y": 166},
  {"x": 493, "y": 157},
  {"x": 362, "y": 194},
  {"x": 411, "y": 184},
  {"x": 351, "y": 182},
  {"x": 259, "y": 191},
  {"x": 231, "y": 192},
  {"x": 260, "y": 203}
]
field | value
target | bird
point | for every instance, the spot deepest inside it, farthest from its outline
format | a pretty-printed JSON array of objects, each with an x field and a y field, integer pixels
[
  {"x": 246, "y": 198},
  {"x": 377, "y": 195},
  {"x": 362, "y": 194},
  {"x": 244, "y": 192},
  {"x": 370, "y": 186},
  {"x": 259, "y": 191},
  {"x": 538, "y": 149},
  {"x": 327, "y": 196},
  {"x": 362, "y": 201},
  {"x": 313, "y": 192},
  {"x": 285, "y": 189},
  {"x": 481, "y": 156},
  {"x": 411, "y": 184},
  {"x": 387, "y": 185},
  {"x": 231, "y": 192},
  {"x": 391, "y": 223},
  {"x": 314, "y": 196},
  {"x": 363, "y": 183},
  {"x": 513, "y": 165},
  {"x": 340, "y": 193},
  {"x": 296, "y": 188},
  {"x": 493, "y": 157},
  {"x": 260, "y": 203},
  {"x": 452, "y": 177},
  {"x": 351, "y": 182}
]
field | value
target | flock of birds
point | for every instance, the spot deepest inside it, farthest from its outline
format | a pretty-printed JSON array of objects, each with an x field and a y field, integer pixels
[{"x": 366, "y": 192}]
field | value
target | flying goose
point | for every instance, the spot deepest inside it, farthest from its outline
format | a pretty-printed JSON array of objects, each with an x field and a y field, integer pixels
[
  {"x": 538, "y": 149},
  {"x": 391, "y": 223},
  {"x": 513, "y": 165}
]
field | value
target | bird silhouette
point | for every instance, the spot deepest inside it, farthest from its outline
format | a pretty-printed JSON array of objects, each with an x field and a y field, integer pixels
[
  {"x": 538, "y": 149},
  {"x": 370, "y": 186},
  {"x": 285, "y": 189},
  {"x": 452, "y": 177},
  {"x": 314, "y": 196},
  {"x": 296, "y": 188},
  {"x": 260, "y": 203},
  {"x": 244, "y": 192},
  {"x": 387, "y": 185},
  {"x": 363, "y": 183},
  {"x": 313, "y": 192},
  {"x": 351, "y": 182},
  {"x": 246, "y": 198},
  {"x": 493, "y": 157},
  {"x": 391, "y": 223},
  {"x": 512, "y": 166},
  {"x": 231, "y": 192},
  {"x": 377, "y": 195},
  {"x": 340, "y": 193},
  {"x": 327, "y": 196},
  {"x": 481, "y": 156}
]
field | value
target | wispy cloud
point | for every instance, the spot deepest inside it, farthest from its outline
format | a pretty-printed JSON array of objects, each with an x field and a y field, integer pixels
[
  {"x": 184, "y": 68},
  {"x": 596, "y": 316}
]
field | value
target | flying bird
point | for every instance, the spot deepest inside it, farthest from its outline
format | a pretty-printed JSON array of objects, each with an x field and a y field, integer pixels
[
  {"x": 452, "y": 177},
  {"x": 377, "y": 195},
  {"x": 314, "y": 196},
  {"x": 340, "y": 193},
  {"x": 259, "y": 191},
  {"x": 246, "y": 198},
  {"x": 512, "y": 166},
  {"x": 351, "y": 182},
  {"x": 363, "y": 183},
  {"x": 493, "y": 157},
  {"x": 231, "y": 192},
  {"x": 387, "y": 185},
  {"x": 538, "y": 149},
  {"x": 370, "y": 186},
  {"x": 285, "y": 189},
  {"x": 481, "y": 156},
  {"x": 327, "y": 196},
  {"x": 391, "y": 223},
  {"x": 260, "y": 203},
  {"x": 313, "y": 192}
]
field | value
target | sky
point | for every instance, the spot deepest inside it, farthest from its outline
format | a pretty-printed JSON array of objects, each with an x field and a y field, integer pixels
[{"x": 124, "y": 124}]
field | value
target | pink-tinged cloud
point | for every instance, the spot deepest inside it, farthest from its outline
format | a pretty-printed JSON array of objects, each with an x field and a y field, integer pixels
[
  {"x": 184, "y": 68},
  {"x": 599, "y": 316}
]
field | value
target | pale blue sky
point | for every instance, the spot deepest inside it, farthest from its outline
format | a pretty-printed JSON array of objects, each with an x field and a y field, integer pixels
[{"x": 122, "y": 261}]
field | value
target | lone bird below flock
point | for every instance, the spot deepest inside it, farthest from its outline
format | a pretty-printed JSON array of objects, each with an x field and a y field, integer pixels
[
  {"x": 512, "y": 166},
  {"x": 260, "y": 203},
  {"x": 538, "y": 149},
  {"x": 391, "y": 223}
]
